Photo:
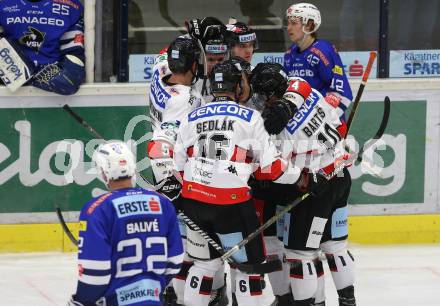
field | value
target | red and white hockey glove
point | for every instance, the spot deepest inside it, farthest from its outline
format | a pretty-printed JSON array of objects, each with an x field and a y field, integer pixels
[
  {"x": 333, "y": 98},
  {"x": 298, "y": 90}
]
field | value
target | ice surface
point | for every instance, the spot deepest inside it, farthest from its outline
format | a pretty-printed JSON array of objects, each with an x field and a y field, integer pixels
[{"x": 386, "y": 275}]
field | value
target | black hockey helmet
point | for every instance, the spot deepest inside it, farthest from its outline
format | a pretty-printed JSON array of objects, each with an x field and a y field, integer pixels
[
  {"x": 211, "y": 32},
  {"x": 245, "y": 66},
  {"x": 269, "y": 79},
  {"x": 225, "y": 77},
  {"x": 239, "y": 32},
  {"x": 182, "y": 53}
]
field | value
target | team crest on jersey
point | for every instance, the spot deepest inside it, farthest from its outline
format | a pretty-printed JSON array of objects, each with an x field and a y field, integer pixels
[{"x": 33, "y": 39}]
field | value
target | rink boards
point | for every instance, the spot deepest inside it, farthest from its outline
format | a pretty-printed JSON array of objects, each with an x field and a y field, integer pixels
[{"x": 44, "y": 160}]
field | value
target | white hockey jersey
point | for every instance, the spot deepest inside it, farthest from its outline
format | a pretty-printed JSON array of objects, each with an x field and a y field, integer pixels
[
  {"x": 169, "y": 104},
  {"x": 312, "y": 136},
  {"x": 206, "y": 97},
  {"x": 219, "y": 146}
]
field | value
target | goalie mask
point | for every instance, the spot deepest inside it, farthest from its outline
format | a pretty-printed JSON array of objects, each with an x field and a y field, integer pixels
[
  {"x": 304, "y": 12},
  {"x": 114, "y": 161}
]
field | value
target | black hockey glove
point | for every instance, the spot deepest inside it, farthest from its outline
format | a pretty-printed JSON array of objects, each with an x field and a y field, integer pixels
[
  {"x": 277, "y": 116},
  {"x": 316, "y": 184},
  {"x": 171, "y": 189}
]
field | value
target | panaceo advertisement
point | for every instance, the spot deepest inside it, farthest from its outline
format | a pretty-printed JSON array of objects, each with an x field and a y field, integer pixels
[{"x": 45, "y": 154}]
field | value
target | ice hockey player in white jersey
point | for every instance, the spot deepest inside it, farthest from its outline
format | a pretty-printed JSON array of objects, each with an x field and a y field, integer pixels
[
  {"x": 171, "y": 99},
  {"x": 269, "y": 83},
  {"x": 218, "y": 146},
  {"x": 242, "y": 40},
  {"x": 313, "y": 138},
  {"x": 129, "y": 240},
  {"x": 212, "y": 37}
]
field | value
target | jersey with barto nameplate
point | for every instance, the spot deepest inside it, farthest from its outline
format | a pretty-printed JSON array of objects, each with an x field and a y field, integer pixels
[
  {"x": 45, "y": 30},
  {"x": 129, "y": 248},
  {"x": 312, "y": 136}
]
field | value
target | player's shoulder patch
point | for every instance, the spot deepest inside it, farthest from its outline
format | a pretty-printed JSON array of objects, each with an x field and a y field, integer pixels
[
  {"x": 97, "y": 202},
  {"x": 338, "y": 70}
]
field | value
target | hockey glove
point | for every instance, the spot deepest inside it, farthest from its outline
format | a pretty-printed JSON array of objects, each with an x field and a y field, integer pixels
[
  {"x": 316, "y": 185},
  {"x": 171, "y": 189},
  {"x": 63, "y": 78},
  {"x": 277, "y": 116},
  {"x": 333, "y": 98}
]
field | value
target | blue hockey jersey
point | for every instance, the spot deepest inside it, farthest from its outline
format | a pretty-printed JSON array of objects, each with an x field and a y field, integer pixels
[
  {"x": 129, "y": 248},
  {"x": 321, "y": 66},
  {"x": 45, "y": 30}
]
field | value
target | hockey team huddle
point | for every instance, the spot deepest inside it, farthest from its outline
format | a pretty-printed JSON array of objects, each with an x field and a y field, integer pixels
[{"x": 232, "y": 145}]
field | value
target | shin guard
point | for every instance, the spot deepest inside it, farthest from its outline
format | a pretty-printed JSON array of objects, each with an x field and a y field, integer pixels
[
  {"x": 340, "y": 262},
  {"x": 278, "y": 279},
  {"x": 198, "y": 286},
  {"x": 180, "y": 279},
  {"x": 303, "y": 276},
  {"x": 251, "y": 289}
]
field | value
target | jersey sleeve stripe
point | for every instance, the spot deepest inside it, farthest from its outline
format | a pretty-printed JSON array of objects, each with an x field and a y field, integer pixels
[
  {"x": 172, "y": 271},
  {"x": 95, "y": 264},
  {"x": 345, "y": 101},
  {"x": 95, "y": 280},
  {"x": 177, "y": 260},
  {"x": 71, "y": 34},
  {"x": 71, "y": 44}
]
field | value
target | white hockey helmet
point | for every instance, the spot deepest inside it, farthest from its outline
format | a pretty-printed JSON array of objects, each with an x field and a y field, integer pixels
[
  {"x": 305, "y": 12},
  {"x": 114, "y": 160}
]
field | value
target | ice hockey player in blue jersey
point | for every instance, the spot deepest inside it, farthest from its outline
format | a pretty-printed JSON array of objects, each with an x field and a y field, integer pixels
[
  {"x": 50, "y": 34},
  {"x": 315, "y": 60},
  {"x": 129, "y": 241}
]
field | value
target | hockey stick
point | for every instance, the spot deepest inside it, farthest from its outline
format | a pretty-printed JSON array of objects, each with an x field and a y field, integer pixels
[
  {"x": 99, "y": 136},
  {"x": 64, "y": 226},
  {"x": 164, "y": 12},
  {"x": 361, "y": 89},
  {"x": 82, "y": 122},
  {"x": 267, "y": 267},
  {"x": 382, "y": 127},
  {"x": 298, "y": 200},
  {"x": 263, "y": 268}
]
